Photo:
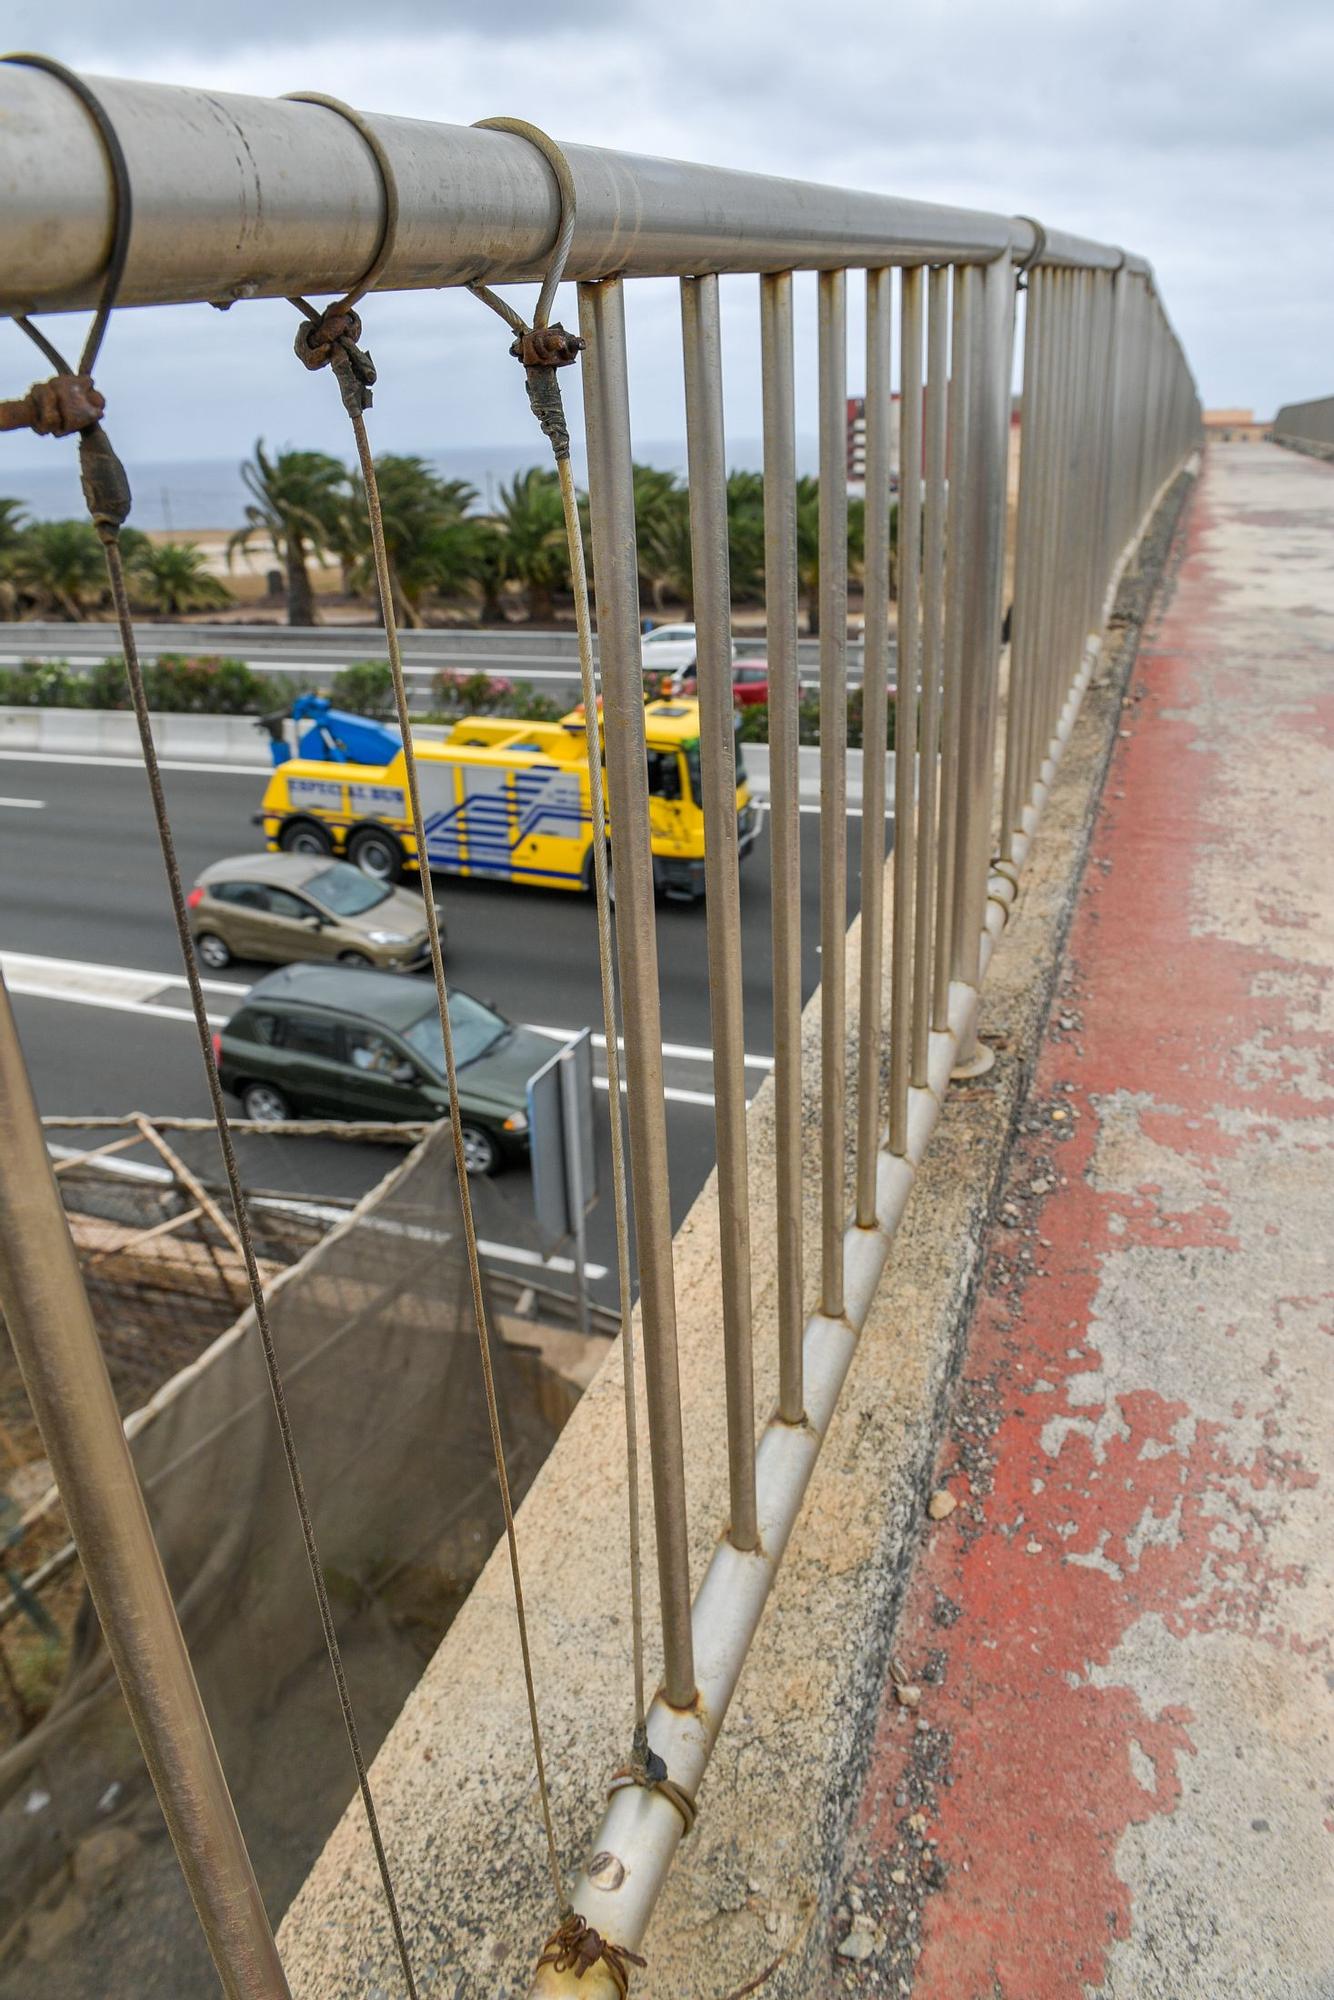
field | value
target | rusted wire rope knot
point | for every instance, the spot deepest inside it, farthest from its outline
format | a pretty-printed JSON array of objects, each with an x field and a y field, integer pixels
[
  {"x": 56, "y": 408},
  {"x": 574, "y": 1946},
  {"x": 329, "y": 340},
  {"x": 68, "y": 405},
  {"x": 542, "y": 350}
]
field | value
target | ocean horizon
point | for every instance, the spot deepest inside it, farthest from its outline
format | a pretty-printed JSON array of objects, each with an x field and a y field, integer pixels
[{"x": 198, "y": 494}]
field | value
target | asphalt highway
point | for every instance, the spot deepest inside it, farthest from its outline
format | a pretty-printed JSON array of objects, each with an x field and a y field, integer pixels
[{"x": 83, "y": 910}]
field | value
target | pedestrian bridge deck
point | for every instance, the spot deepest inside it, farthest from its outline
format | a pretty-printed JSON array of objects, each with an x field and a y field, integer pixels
[{"x": 1116, "y": 1781}]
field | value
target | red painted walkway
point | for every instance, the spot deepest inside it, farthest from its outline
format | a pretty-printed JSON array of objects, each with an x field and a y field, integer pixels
[{"x": 1117, "y": 1779}]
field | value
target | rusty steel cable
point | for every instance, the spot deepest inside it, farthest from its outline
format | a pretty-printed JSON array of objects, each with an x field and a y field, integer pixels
[
  {"x": 107, "y": 494},
  {"x": 330, "y": 339},
  {"x": 541, "y": 362}
]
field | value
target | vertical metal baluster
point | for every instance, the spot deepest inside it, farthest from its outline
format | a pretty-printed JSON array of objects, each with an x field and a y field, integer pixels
[
  {"x": 60, "y": 1357},
  {"x": 1048, "y": 398},
  {"x": 1104, "y": 387},
  {"x": 1078, "y": 518},
  {"x": 1028, "y": 558},
  {"x": 1138, "y": 468},
  {"x": 1088, "y": 460},
  {"x": 984, "y": 546},
  {"x": 933, "y": 632},
  {"x": 1002, "y": 298},
  {"x": 1059, "y": 557},
  {"x": 780, "y": 620},
  {"x": 875, "y": 721},
  {"x": 833, "y": 599},
  {"x": 707, "y": 460},
  {"x": 966, "y": 286},
  {"x": 616, "y": 577},
  {"x": 1118, "y": 529},
  {"x": 1043, "y": 300},
  {"x": 906, "y": 705}
]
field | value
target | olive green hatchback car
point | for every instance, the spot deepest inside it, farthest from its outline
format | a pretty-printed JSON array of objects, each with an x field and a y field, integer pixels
[
  {"x": 323, "y": 1041},
  {"x": 305, "y": 906}
]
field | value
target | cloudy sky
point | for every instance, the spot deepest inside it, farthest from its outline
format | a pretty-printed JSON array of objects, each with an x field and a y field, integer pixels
[{"x": 1200, "y": 132}]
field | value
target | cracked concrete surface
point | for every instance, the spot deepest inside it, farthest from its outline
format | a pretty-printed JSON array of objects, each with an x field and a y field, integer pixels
[{"x": 1133, "y": 1796}]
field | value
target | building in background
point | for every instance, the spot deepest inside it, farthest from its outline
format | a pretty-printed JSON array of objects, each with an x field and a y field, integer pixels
[
  {"x": 857, "y": 446},
  {"x": 1234, "y": 427}
]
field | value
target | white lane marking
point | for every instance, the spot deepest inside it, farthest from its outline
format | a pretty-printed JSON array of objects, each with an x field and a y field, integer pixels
[
  {"x": 765, "y": 806},
  {"x": 684, "y": 1051},
  {"x": 507, "y": 1253},
  {"x": 670, "y": 1092},
  {"x": 25, "y": 962},
  {"x": 32, "y": 989},
  {"x": 135, "y": 763},
  {"x": 25, "y": 805},
  {"x": 123, "y": 990}
]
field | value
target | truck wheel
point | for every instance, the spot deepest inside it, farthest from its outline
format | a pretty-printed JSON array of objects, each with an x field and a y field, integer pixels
[
  {"x": 304, "y": 836},
  {"x": 376, "y": 853}
]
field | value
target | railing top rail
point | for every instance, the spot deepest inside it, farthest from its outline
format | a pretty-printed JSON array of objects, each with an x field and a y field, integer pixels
[{"x": 245, "y": 197}]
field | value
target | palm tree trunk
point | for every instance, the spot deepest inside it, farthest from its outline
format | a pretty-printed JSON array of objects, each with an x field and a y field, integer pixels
[
  {"x": 405, "y": 610},
  {"x": 541, "y": 603},
  {"x": 300, "y": 596}
]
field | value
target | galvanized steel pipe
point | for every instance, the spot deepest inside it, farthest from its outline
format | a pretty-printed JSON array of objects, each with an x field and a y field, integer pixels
[{"x": 240, "y": 197}]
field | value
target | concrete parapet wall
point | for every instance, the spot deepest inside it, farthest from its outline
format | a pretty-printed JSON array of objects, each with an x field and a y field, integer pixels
[
  {"x": 113, "y": 732},
  {"x": 753, "y": 1886}
]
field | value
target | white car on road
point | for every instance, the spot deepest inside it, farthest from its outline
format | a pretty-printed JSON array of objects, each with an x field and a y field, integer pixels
[{"x": 667, "y": 650}]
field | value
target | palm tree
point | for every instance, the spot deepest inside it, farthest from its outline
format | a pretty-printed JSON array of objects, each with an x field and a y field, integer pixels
[
  {"x": 431, "y": 540},
  {"x": 654, "y": 492},
  {"x": 808, "y": 548},
  {"x": 665, "y": 550},
  {"x": 531, "y": 521},
  {"x": 296, "y": 498},
  {"x": 745, "y": 534},
  {"x": 171, "y": 577},
  {"x": 11, "y": 522},
  {"x": 59, "y": 566}
]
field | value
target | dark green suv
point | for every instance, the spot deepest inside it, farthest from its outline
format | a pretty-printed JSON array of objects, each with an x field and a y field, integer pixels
[{"x": 333, "y": 1042}]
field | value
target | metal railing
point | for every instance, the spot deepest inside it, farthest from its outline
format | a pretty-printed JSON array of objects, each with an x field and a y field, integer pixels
[
  {"x": 1307, "y": 426},
  {"x": 281, "y": 198}
]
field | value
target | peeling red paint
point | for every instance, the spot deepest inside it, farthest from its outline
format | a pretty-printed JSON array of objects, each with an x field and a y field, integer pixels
[{"x": 1087, "y": 1516}]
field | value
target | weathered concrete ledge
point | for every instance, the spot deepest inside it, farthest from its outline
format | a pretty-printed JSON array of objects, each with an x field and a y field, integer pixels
[{"x": 754, "y": 1883}]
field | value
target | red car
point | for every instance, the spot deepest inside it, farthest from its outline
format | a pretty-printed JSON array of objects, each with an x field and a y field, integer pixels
[{"x": 750, "y": 682}]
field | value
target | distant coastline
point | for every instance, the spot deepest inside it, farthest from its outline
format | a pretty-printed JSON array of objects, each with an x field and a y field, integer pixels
[{"x": 206, "y": 494}]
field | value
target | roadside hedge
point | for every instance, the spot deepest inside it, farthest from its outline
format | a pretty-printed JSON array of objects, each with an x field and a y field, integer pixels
[
  {"x": 177, "y": 683},
  {"x": 208, "y": 684},
  {"x": 755, "y": 721}
]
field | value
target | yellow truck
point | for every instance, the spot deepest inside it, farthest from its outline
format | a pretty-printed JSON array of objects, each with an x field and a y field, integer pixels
[{"x": 502, "y": 799}]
